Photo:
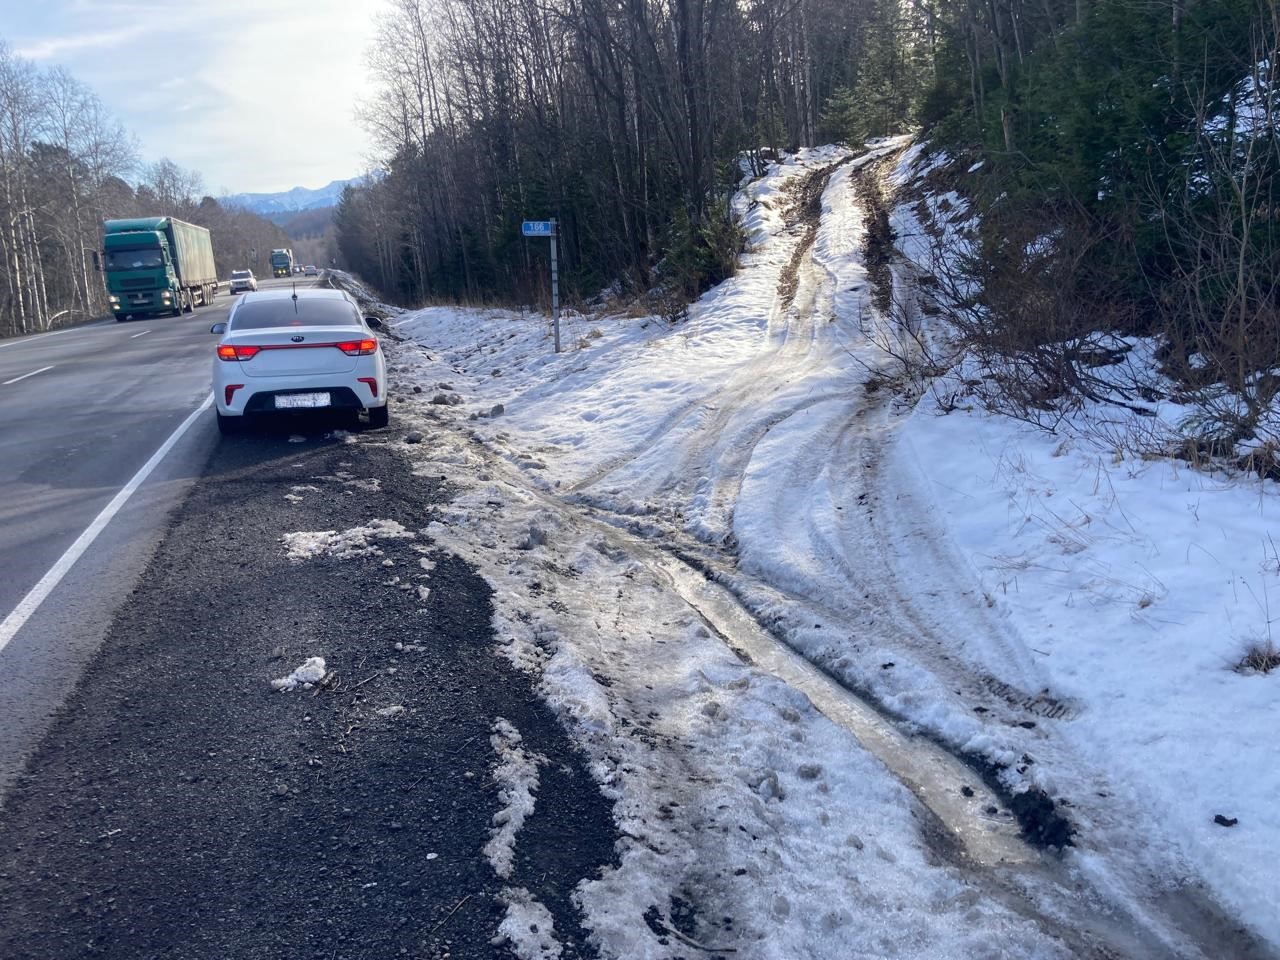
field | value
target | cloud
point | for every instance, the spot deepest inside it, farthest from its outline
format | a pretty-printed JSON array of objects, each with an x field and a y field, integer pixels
[
  {"x": 52, "y": 47},
  {"x": 255, "y": 97}
]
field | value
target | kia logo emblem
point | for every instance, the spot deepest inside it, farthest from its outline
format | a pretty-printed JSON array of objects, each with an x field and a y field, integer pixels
[{"x": 297, "y": 339}]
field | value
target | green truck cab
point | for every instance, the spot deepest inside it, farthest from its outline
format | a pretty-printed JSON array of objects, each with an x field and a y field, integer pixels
[
  {"x": 157, "y": 265},
  {"x": 282, "y": 262}
]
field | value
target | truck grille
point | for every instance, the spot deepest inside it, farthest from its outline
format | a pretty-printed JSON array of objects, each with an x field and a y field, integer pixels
[{"x": 141, "y": 283}]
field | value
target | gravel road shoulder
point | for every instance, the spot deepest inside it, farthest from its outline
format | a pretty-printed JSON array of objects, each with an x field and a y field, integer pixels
[{"x": 181, "y": 807}]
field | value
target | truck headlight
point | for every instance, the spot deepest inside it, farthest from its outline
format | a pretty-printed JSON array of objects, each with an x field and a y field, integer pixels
[
  {"x": 113, "y": 299},
  {"x": 166, "y": 295}
]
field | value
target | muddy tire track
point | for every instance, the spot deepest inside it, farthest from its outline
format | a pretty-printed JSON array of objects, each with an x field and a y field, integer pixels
[{"x": 804, "y": 213}]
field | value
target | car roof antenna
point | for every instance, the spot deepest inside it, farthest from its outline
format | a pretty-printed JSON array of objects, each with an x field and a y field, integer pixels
[{"x": 295, "y": 296}]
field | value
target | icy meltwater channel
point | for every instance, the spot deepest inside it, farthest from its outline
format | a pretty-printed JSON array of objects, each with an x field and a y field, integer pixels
[{"x": 952, "y": 791}]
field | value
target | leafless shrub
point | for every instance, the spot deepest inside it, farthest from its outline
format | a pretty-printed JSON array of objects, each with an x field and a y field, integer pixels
[
  {"x": 672, "y": 305},
  {"x": 1260, "y": 657}
]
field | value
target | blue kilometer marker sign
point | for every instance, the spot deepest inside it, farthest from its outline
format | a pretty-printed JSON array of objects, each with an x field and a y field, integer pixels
[{"x": 538, "y": 228}]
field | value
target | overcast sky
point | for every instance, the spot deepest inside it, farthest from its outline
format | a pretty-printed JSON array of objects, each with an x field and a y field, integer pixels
[{"x": 257, "y": 95}]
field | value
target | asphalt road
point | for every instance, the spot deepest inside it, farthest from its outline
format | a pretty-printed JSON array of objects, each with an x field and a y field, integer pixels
[
  {"x": 181, "y": 808},
  {"x": 81, "y": 411}
]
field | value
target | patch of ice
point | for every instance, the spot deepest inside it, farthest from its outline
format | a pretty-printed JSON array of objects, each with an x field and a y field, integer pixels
[
  {"x": 311, "y": 672},
  {"x": 516, "y": 774},
  {"x": 528, "y": 926},
  {"x": 344, "y": 544}
]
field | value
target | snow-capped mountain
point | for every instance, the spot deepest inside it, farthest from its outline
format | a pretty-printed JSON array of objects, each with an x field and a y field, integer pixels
[{"x": 291, "y": 201}]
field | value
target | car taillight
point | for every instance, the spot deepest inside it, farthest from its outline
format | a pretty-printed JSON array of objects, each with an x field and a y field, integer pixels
[
  {"x": 358, "y": 348},
  {"x": 237, "y": 351}
]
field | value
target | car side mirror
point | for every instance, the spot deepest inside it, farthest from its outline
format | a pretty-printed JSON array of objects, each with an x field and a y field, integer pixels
[
  {"x": 218, "y": 328},
  {"x": 373, "y": 322}
]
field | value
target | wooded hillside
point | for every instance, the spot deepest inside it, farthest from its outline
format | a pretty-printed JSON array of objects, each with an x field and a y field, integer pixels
[{"x": 1109, "y": 124}]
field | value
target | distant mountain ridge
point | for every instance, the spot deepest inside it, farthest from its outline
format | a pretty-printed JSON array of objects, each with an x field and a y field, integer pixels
[{"x": 291, "y": 201}]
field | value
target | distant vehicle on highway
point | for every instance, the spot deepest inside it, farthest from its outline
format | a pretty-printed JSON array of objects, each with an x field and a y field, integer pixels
[
  {"x": 284, "y": 351},
  {"x": 281, "y": 262},
  {"x": 157, "y": 265},
  {"x": 310, "y": 270},
  {"x": 297, "y": 268},
  {"x": 242, "y": 281}
]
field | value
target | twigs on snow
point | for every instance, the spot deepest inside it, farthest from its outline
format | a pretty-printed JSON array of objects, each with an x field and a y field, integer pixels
[{"x": 690, "y": 942}]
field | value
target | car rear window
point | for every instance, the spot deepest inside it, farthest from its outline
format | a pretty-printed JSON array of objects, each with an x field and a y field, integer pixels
[{"x": 286, "y": 312}]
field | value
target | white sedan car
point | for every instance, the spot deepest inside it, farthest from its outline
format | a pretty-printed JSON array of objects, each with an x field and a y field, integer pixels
[{"x": 285, "y": 351}]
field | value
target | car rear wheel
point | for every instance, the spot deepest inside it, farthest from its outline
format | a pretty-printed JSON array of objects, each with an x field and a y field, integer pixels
[
  {"x": 230, "y": 426},
  {"x": 379, "y": 416}
]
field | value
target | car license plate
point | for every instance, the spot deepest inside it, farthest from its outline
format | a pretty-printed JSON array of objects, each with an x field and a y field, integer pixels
[{"x": 298, "y": 401}]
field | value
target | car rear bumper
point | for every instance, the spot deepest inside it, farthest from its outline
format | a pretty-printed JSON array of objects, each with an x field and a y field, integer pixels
[{"x": 258, "y": 396}]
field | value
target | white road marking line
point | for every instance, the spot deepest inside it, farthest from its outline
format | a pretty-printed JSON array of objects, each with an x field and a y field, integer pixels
[
  {"x": 38, "y": 336},
  {"x": 55, "y": 333},
  {"x": 31, "y": 374},
  {"x": 37, "y": 595},
  {"x": 137, "y": 335}
]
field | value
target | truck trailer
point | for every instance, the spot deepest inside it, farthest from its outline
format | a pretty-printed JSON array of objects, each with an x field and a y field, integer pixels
[
  {"x": 157, "y": 265},
  {"x": 282, "y": 262}
]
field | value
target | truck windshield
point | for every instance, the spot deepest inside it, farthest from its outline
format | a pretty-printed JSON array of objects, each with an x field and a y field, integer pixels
[{"x": 145, "y": 258}]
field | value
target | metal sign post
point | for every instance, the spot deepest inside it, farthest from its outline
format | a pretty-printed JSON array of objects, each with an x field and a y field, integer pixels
[
  {"x": 555, "y": 287},
  {"x": 547, "y": 228}
]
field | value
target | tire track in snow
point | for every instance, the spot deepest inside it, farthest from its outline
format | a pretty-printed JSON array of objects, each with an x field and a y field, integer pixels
[
  {"x": 788, "y": 345},
  {"x": 692, "y": 471}
]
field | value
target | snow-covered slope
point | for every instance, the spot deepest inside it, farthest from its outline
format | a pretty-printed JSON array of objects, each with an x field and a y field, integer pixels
[{"x": 1055, "y": 613}]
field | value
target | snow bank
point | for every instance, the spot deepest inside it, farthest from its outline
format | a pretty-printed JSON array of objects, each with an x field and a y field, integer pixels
[{"x": 1138, "y": 585}]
